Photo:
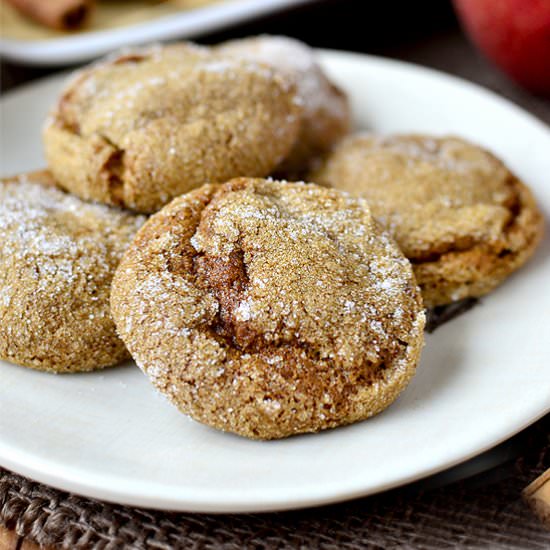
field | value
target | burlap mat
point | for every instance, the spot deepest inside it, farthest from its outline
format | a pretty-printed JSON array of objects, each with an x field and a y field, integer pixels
[{"x": 485, "y": 511}]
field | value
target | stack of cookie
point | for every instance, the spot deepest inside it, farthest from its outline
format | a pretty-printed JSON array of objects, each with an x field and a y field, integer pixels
[{"x": 262, "y": 307}]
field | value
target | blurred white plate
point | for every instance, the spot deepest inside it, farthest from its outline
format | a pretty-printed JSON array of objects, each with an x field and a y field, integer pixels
[
  {"x": 83, "y": 46},
  {"x": 482, "y": 378}
]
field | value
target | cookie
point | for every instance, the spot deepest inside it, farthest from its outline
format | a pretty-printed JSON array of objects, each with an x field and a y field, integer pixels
[
  {"x": 58, "y": 255},
  {"x": 269, "y": 308},
  {"x": 140, "y": 129},
  {"x": 326, "y": 116},
  {"x": 457, "y": 212}
]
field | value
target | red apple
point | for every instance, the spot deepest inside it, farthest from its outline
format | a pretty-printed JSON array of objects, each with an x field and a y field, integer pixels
[{"x": 515, "y": 34}]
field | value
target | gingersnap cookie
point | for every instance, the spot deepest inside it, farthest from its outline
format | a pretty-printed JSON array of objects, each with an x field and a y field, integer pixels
[
  {"x": 326, "y": 115},
  {"x": 140, "y": 129},
  {"x": 57, "y": 258},
  {"x": 269, "y": 308},
  {"x": 457, "y": 212}
]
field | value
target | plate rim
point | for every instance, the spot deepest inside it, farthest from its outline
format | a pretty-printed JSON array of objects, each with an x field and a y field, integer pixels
[
  {"x": 205, "y": 502},
  {"x": 232, "y": 503}
]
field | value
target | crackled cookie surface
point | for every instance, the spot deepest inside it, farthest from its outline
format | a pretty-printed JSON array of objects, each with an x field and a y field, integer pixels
[
  {"x": 461, "y": 217},
  {"x": 57, "y": 259},
  {"x": 269, "y": 309},
  {"x": 140, "y": 129},
  {"x": 326, "y": 116}
]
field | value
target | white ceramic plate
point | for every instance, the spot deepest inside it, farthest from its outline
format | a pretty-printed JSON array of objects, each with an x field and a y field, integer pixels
[
  {"x": 83, "y": 46},
  {"x": 482, "y": 378}
]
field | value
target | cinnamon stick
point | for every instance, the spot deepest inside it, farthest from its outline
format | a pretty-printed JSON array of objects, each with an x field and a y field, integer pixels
[
  {"x": 537, "y": 495},
  {"x": 64, "y": 15}
]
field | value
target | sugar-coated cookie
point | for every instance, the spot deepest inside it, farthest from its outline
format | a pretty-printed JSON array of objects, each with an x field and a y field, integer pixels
[
  {"x": 57, "y": 259},
  {"x": 326, "y": 116},
  {"x": 140, "y": 129},
  {"x": 269, "y": 308},
  {"x": 457, "y": 212}
]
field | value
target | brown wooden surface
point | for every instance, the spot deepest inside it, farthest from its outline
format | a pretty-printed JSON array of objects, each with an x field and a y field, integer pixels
[
  {"x": 537, "y": 495},
  {"x": 10, "y": 540}
]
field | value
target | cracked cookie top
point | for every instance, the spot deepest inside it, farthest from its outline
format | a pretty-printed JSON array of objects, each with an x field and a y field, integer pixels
[
  {"x": 58, "y": 255},
  {"x": 457, "y": 212},
  {"x": 269, "y": 308},
  {"x": 139, "y": 129}
]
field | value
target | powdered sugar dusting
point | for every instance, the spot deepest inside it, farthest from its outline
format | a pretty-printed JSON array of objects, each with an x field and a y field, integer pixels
[
  {"x": 32, "y": 222},
  {"x": 270, "y": 309},
  {"x": 297, "y": 240},
  {"x": 296, "y": 60},
  {"x": 57, "y": 257}
]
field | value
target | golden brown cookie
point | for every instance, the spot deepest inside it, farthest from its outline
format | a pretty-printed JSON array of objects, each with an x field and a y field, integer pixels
[
  {"x": 140, "y": 129},
  {"x": 326, "y": 115},
  {"x": 461, "y": 217},
  {"x": 269, "y": 309},
  {"x": 57, "y": 258}
]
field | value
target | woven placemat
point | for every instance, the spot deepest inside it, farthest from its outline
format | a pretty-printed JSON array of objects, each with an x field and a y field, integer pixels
[{"x": 485, "y": 511}]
